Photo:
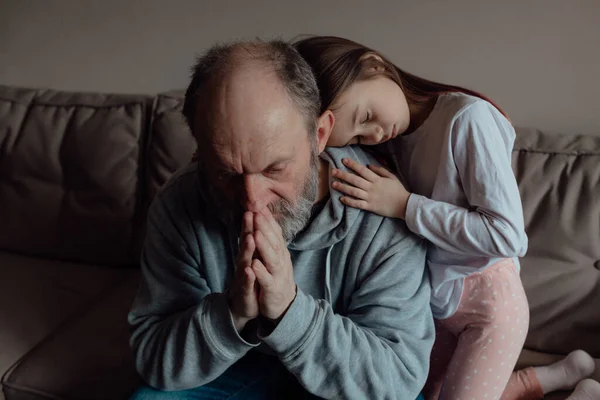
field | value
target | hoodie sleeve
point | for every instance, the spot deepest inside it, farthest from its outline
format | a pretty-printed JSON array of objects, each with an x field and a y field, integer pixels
[
  {"x": 380, "y": 348},
  {"x": 182, "y": 334},
  {"x": 482, "y": 141}
]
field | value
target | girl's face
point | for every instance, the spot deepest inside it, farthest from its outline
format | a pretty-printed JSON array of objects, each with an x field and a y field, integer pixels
[{"x": 370, "y": 111}]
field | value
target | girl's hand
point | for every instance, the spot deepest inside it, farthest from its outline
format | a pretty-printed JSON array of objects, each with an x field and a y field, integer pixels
[{"x": 373, "y": 189}]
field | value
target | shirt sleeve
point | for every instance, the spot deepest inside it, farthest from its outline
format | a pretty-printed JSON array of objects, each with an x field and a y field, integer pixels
[
  {"x": 492, "y": 225},
  {"x": 380, "y": 348},
  {"x": 183, "y": 334}
]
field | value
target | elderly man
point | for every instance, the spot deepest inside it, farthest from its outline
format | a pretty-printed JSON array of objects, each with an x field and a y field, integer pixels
[{"x": 257, "y": 281}]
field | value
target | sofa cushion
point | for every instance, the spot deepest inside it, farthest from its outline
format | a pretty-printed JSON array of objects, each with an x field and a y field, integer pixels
[
  {"x": 559, "y": 181},
  {"x": 86, "y": 358},
  {"x": 68, "y": 173},
  {"x": 171, "y": 143},
  {"x": 37, "y": 296},
  {"x": 170, "y": 146}
]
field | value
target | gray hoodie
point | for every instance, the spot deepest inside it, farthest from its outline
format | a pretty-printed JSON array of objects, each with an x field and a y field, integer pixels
[{"x": 360, "y": 326}]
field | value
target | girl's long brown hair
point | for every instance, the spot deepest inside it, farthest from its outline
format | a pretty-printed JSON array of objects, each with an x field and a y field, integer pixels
[{"x": 339, "y": 62}]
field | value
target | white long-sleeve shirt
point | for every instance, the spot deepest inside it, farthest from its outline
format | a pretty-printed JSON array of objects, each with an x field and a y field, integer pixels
[{"x": 465, "y": 200}]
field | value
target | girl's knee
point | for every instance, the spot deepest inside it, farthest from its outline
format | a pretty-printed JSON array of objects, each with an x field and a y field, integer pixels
[{"x": 509, "y": 315}]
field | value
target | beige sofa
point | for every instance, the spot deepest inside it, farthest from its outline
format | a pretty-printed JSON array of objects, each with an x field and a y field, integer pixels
[{"x": 78, "y": 171}]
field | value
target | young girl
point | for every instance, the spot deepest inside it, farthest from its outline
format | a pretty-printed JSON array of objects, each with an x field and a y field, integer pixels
[{"x": 452, "y": 147}]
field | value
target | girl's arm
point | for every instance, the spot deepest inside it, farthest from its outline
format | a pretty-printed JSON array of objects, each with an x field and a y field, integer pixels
[{"x": 482, "y": 141}]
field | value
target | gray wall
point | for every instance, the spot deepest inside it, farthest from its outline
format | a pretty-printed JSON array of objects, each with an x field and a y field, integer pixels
[{"x": 539, "y": 59}]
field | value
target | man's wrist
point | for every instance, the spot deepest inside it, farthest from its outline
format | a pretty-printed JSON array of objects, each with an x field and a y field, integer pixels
[
  {"x": 238, "y": 321},
  {"x": 275, "y": 321}
]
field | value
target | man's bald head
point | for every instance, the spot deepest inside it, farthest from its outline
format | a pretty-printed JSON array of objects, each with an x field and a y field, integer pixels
[{"x": 215, "y": 68}]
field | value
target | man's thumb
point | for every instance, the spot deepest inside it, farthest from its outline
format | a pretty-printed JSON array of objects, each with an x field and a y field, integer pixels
[{"x": 249, "y": 280}]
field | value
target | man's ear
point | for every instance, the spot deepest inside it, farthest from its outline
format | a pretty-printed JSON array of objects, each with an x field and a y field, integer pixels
[{"x": 325, "y": 125}]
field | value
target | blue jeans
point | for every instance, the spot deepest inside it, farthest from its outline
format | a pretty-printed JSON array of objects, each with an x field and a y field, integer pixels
[{"x": 254, "y": 377}]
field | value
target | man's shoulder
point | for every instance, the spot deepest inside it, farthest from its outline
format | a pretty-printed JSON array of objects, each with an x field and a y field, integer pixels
[
  {"x": 393, "y": 233},
  {"x": 376, "y": 237},
  {"x": 179, "y": 190},
  {"x": 335, "y": 155},
  {"x": 182, "y": 185},
  {"x": 390, "y": 249},
  {"x": 184, "y": 178}
]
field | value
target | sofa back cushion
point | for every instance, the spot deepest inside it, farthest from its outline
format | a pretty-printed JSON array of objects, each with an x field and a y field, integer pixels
[
  {"x": 169, "y": 146},
  {"x": 559, "y": 181},
  {"x": 69, "y": 173}
]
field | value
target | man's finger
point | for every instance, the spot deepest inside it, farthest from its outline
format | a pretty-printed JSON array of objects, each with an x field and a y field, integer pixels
[
  {"x": 268, "y": 255},
  {"x": 264, "y": 278},
  {"x": 248, "y": 248},
  {"x": 271, "y": 219},
  {"x": 263, "y": 225},
  {"x": 250, "y": 279},
  {"x": 247, "y": 223}
]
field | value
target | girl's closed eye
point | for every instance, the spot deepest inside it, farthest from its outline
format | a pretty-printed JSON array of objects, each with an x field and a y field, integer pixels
[{"x": 367, "y": 118}]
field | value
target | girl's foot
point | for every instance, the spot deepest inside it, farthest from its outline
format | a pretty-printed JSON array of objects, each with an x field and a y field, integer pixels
[
  {"x": 587, "y": 389},
  {"x": 566, "y": 373}
]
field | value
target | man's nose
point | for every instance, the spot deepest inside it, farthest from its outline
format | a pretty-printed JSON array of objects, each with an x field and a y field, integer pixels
[{"x": 255, "y": 193}]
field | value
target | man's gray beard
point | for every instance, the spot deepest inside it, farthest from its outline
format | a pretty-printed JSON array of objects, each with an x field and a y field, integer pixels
[{"x": 292, "y": 218}]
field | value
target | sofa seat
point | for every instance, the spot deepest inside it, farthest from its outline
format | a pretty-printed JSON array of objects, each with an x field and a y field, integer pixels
[{"x": 64, "y": 326}]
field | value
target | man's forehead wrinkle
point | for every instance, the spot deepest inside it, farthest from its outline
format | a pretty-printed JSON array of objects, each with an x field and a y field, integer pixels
[
  {"x": 253, "y": 158},
  {"x": 222, "y": 152},
  {"x": 253, "y": 115}
]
